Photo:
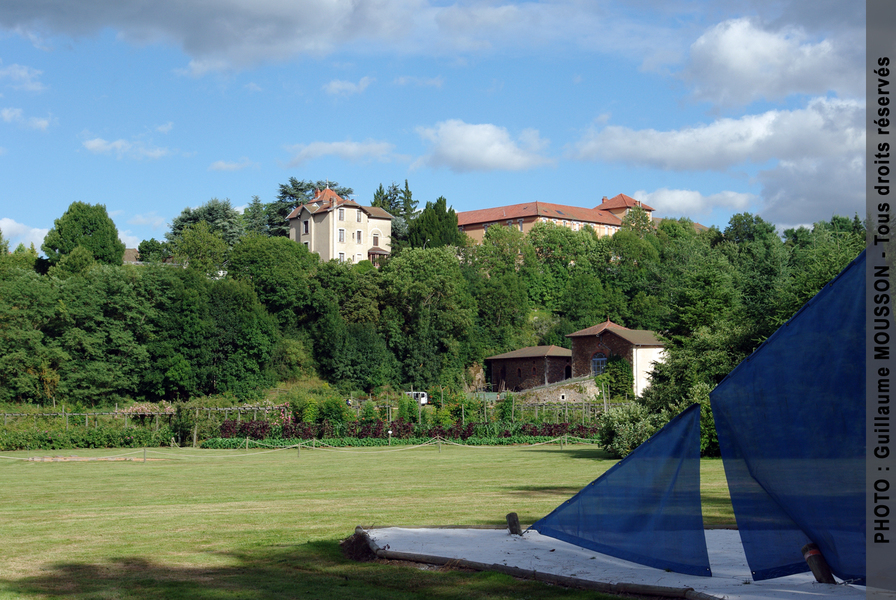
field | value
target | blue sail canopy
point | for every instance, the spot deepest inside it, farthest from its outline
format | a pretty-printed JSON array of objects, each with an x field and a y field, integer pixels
[
  {"x": 646, "y": 508},
  {"x": 790, "y": 421}
]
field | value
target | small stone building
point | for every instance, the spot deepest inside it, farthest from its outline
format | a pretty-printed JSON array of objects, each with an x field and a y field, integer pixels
[
  {"x": 592, "y": 347},
  {"x": 530, "y": 367}
]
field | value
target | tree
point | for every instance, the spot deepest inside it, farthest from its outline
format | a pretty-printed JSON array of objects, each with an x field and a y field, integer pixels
[
  {"x": 435, "y": 227},
  {"x": 200, "y": 249},
  {"x": 429, "y": 314},
  {"x": 296, "y": 193},
  {"x": 279, "y": 270},
  {"x": 86, "y": 225},
  {"x": 408, "y": 204},
  {"x": 219, "y": 215},
  {"x": 388, "y": 199},
  {"x": 638, "y": 222},
  {"x": 255, "y": 219},
  {"x": 152, "y": 250}
]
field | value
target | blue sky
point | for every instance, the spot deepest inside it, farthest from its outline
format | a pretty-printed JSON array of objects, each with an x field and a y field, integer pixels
[{"x": 698, "y": 109}]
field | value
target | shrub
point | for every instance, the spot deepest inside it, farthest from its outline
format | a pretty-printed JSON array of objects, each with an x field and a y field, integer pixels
[{"x": 623, "y": 428}]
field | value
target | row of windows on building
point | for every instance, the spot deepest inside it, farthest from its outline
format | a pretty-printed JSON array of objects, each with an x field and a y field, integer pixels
[{"x": 357, "y": 237}]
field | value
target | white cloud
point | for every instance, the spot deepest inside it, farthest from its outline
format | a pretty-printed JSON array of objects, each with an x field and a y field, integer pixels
[
  {"x": 464, "y": 147},
  {"x": 338, "y": 87},
  {"x": 420, "y": 81},
  {"x": 825, "y": 128},
  {"x": 252, "y": 87},
  {"x": 16, "y": 233},
  {"x": 129, "y": 239},
  {"x": 348, "y": 150},
  {"x": 238, "y": 34},
  {"x": 22, "y": 78},
  {"x": 166, "y": 128},
  {"x": 737, "y": 62},
  {"x": 150, "y": 218},
  {"x": 223, "y": 165},
  {"x": 809, "y": 190},
  {"x": 16, "y": 115},
  {"x": 125, "y": 149},
  {"x": 691, "y": 203}
]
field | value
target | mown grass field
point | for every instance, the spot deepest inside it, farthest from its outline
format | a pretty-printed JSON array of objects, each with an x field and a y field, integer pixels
[{"x": 231, "y": 524}]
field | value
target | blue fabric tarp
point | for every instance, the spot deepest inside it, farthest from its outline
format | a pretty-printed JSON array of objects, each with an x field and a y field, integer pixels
[
  {"x": 790, "y": 421},
  {"x": 646, "y": 508}
]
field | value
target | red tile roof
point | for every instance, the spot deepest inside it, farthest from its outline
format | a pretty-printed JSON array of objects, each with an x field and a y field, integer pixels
[
  {"x": 537, "y": 209},
  {"x": 622, "y": 201},
  {"x": 324, "y": 200}
]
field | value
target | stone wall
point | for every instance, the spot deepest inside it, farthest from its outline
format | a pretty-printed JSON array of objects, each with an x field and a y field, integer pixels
[
  {"x": 573, "y": 390},
  {"x": 525, "y": 373}
]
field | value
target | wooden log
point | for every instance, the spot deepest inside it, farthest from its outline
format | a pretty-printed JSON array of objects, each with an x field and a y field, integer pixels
[
  {"x": 513, "y": 524},
  {"x": 817, "y": 564}
]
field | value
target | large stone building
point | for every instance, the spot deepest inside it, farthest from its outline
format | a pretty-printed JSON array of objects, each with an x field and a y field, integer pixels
[
  {"x": 530, "y": 367},
  {"x": 605, "y": 219},
  {"x": 341, "y": 229},
  {"x": 592, "y": 347}
]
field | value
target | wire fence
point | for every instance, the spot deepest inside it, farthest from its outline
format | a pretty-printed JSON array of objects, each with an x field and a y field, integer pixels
[{"x": 177, "y": 453}]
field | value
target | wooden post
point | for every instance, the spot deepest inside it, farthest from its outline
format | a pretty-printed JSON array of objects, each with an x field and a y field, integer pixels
[
  {"x": 513, "y": 524},
  {"x": 144, "y": 454},
  {"x": 125, "y": 421},
  {"x": 239, "y": 413},
  {"x": 64, "y": 414},
  {"x": 86, "y": 421},
  {"x": 817, "y": 564},
  {"x": 247, "y": 442},
  {"x": 195, "y": 427}
]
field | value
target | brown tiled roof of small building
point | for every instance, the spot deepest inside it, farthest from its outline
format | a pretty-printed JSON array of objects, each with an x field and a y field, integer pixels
[
  {"x": 536, "y": 209},
  {"x": 535, "y": 352},
  {"x": 638, "y": 337},
  {"x": 597, "y": 329},
  {"x": 622, "y": 201}
]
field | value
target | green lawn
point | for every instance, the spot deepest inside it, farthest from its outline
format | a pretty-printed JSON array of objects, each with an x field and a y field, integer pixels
[{"x": 230, "y": 524}]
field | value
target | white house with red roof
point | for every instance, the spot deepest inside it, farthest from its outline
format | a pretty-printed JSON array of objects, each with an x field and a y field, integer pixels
[
  {"x": 605, "y": 219},
  {"x": 341, "y": 229}
]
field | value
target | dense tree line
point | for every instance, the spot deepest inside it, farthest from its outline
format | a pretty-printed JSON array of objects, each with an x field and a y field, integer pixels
[{"x": 228, "y": 304}]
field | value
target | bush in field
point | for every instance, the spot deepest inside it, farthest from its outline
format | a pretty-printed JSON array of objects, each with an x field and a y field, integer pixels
[
  {"x": 368, "y": 412},
  {"x": 624, "y": 428},
  {"x": 104, "y": 436}
]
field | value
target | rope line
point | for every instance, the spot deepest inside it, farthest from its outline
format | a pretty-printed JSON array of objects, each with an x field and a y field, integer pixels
[{"x": 179, "y": 453}]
